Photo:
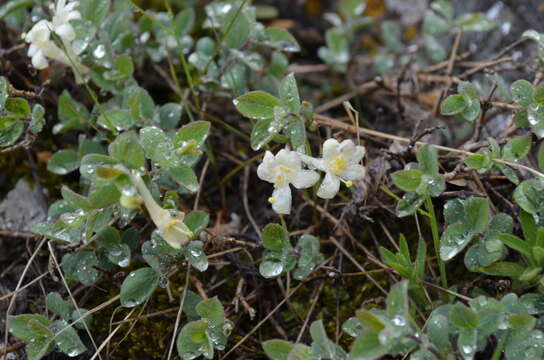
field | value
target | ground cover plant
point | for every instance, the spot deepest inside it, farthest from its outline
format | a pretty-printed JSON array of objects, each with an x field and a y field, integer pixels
[{"x": 271, "y": 179}]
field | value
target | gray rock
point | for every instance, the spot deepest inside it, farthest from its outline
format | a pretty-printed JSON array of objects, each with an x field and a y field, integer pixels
[{"x": 21, "y": 208}]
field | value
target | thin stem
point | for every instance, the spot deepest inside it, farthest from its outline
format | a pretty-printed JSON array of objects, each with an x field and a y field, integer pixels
[
  {"x": 500, "y": 347},
  {"x": 436, "y": 238}
]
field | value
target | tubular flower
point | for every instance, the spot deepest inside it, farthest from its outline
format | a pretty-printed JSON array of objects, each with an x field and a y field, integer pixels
[
  {"x": 172, "y": 228},
  {"x": 281, "y": 170},
  {"x": 42, "y": 46},
  {"x": 64, "y": 13},
  {"x": 340, "y": 162}
]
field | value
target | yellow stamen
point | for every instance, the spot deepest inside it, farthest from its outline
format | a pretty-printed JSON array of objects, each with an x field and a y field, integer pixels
[
  {"x": 349, "y": 183},
  {"x": 338, "y": 164},
  {"x": 271, "y": 200}
]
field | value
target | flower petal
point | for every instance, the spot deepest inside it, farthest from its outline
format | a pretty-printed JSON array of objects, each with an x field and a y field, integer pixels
[
  {"x": 39, "y": 61},
  {"x": 329, "y": 187},
  {"x": 66, "y": 32},
  {"x": 282, "y": 200},
  {"x": 264, "y": 169},
  {"x": 313, "y": 163},
  {"x": 331, "y": 148},
  {"x": 353, "y": 172},
  {"x": 304, "y": 179}
]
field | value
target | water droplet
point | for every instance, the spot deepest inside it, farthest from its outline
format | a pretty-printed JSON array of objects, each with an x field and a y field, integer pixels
[{"x": 99, "y": 51}]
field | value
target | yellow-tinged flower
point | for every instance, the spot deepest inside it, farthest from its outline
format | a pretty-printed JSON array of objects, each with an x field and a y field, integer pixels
[
  {"x": 283, "y": 169},
  {"x": 171, "y": 227},
  {"x": 340, "y": 162}
]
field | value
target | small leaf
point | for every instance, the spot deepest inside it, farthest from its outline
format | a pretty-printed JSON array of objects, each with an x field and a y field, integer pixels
[
  {"x": 196, "y": 256},
  {"x": 257, "y": 104},
  {"x": 289, "y": 93},
  {"x": 197, "y": 221},
  {"x": 427, "y": 158},
  {"x": 18, "y": 107},
  {"x": 277, "y": 349},
  {"x": 11, "y": 128},
  {"x": 477, "y": 213},
  {"x": 211, "y": 309},
  {"x": 522, "y": 92},
  {"x": 474, "y": 22},
  {"x": 63, "y": 162},
  {"x": 127, "y": 149},
  {"x": 453, "y": 104},
  {"x": 281, "y": 39},
  {"x": 185, "y": 176},
  {"x": 463, "y": 317},
  {"x": 138, "y": 286},
  {"x": 454, "y": 240},
  {"x": 274, "y": 237},
  {"x": 407, "y": 180},
  {"x": 38, "y": 119},
  {"x": 517, "y": 148},
  {"x": 236, "y": 28}
]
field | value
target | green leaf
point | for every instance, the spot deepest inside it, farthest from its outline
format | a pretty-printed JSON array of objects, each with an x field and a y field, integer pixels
[
  {"x": 538, "y": 94},
  {"x": 407, "y": 180},
  {"x": 4, "y": 85},
  {"x": 454, "y": 240},
  {"x": 517, "y": 148},
  {"x": 138, "y": 286},
  {"x": 467, "y": 88},
  {"x": 427, "y": 158},
  {"x": 189, "y": 140},
  {"x": 351, "y": 8},
  {"x": 472, "y": 110},
  {"x": 158, "y": 146},
  {"x": 116, "y": 120},
  {"x": 38, "y": 119},
  {"x": 169, "y": 115},
  {"x": 438, "y": 330},
  {"x": 23, "y": 326},
  {"x": 277, "y": 349},
  {"x": 397, "y": 302},
  {"x": 257, "y": 104},
  {"x": 94, "y": 10},
  {"x": 184, "y": 22},
  {"x": 63, "y": 162},
  {"x": 18, "y": 107},
  {"x": 236, "y": 28},
  {"x": 516, "y": 243},
  {"x": 261, "y": 134},
  {"x": 463, "y": 317},
  {"x": 72, "y": 114},
  {"x": 127, "y": 149},
  {"x": 196, "y": 256},
  {"x": 11, "y": 128},
  {"x": 409, "y": 203},
  {"x": 274, "y": 237},
  {"x": 503, "y": 268},
  {"x": 191, "y": 338},
  {"x": 58, "y": 305},
  {"x": 474, "y": 22},
  {"x": 140, "y": 104},
  {"x": 453, "y": 104},
  {"x": 522, "y": 92},
  {"x": 185, "y": 176},
  {"x": 271, "y": 268},
  {"x": 75, "y": 200},
  {"x": 281, "y": 39},
  {"x": 197, "y": 221},
  {"x": 368, "y": 346},
  {"x": 530, "y": 195},
  {"x": 211, "y": 309},
  {"x": 540, "y": 157},
  {"x": 67, "y": 339},
  {"x": 478, "y": 161},
  {"x": 322, "y": 346},
  {"x": 289, "y": 93},
  {"x": 477, "y": 214},
  {"x": 103, "y": 193}
]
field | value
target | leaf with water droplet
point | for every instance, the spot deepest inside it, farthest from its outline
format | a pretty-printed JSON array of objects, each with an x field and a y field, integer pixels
[
  {"x": 454, "y": 240},
  {"x": 196, "y": 256},
  {"x": 67, "y": 339},
  {"x": 138, "y": 286}
]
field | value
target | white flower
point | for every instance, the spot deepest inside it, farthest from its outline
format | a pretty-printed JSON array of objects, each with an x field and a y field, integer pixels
[
  {"x": 42, "y": 47},
  {"x": 172, "y": 228},
  {"x": 64, "y": 13},
  {"x": 281, "y": 170},
  {"x": 340, "y": 161}
]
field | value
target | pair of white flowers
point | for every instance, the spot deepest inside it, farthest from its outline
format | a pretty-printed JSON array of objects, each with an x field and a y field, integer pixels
[
  {"x": 340, "y": 162},
  {"x": 42, "y": 47}
]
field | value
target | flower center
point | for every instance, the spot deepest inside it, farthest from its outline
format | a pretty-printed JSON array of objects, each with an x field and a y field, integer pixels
[
  {"x": 281, "y": 177},
  {"x": 338, "y": 164}
]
